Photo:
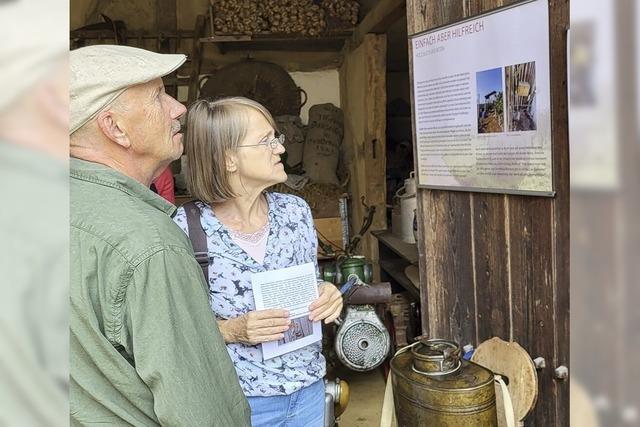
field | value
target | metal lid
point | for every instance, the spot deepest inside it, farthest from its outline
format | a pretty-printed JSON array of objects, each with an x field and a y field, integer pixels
[{"x": 436, "y": 357}]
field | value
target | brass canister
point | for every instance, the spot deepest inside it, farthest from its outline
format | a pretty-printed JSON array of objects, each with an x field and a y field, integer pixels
[{"x": 434, "y": 386}]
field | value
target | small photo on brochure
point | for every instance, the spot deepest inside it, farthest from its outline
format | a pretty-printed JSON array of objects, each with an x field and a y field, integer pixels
[
  {"x": 489, "y": 97},
  {"x": 520, "y": 86},
  {"x": 300, "y": 328}
]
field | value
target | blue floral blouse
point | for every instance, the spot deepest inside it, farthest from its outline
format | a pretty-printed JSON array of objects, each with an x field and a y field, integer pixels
[{"x": 291, "y": 241}]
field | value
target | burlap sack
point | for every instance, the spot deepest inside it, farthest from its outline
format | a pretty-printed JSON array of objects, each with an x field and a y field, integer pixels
[
  {"x": 328, "y": 116},
  {"x": 294, "y": 133},
  {"x": 323, "y": 142}
]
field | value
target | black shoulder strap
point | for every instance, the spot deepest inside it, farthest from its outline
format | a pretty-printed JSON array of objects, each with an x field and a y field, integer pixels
[{"x": 198, "y": 237}]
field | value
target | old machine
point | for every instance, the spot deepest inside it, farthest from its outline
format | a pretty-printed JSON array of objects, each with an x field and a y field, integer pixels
[{"x": 362, "y": 341}]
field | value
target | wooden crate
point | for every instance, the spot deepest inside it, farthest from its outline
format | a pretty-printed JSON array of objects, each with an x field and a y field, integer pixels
[{"x": 330, "y": 230}]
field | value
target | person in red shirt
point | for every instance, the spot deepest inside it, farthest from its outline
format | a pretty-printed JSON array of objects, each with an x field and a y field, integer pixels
[{"x": 163, "y": 185}]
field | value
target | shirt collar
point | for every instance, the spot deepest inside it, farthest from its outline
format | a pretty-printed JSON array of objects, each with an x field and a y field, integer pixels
[
  {"x": 108, "y": 177},
  {"x": 211, "y": 224}
]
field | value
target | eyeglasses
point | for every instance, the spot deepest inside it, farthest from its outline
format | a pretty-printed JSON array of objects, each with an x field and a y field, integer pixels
[{"x": 271, "y": 143}]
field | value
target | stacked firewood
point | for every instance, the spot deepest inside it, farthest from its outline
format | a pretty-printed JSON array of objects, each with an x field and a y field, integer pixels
[
  {"x": 294, "y": 16},
  {"x": 345, "y": 10},
  {"x": 274, "y": 16},
  {"x": 239, "y": 16}
]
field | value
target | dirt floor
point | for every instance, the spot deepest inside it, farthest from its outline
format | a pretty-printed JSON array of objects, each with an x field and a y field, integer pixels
[
  {"x": 365, "y": 403},
  {"x": 491, "y": 124},
  {"x": 525, "y": 123}
]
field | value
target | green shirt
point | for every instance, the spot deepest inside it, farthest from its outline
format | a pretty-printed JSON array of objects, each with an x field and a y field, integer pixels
[{"x": 145, "y": 347}]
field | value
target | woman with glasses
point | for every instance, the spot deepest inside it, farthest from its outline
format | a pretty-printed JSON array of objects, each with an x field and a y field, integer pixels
[{"x": 234, "y": 150}]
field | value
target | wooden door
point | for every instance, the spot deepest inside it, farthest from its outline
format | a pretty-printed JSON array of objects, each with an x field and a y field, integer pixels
[{"x": 495, "y": 264}]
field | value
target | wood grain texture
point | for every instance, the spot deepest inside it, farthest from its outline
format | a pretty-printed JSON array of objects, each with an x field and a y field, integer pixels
[
  {"x": 196, "y": 59},
  {"x": 510, "y": 360},
  {"x": 476, "y": 7},
  {"x": 532, "y": 275},
  {"x": 445, "y": 311},
  {"x": 416, "y": 23},
  {"x": 363, "y": 101},
  {"x": 166, "y": 15},
  {"x": 449, "y": 270},
  {"x": 378, "y": 20},
  {"x": 167, "y": 22},
  {"x": 497, "y": 265},
  {"x": 375, "y": 142},
  {"x": 558, "y": 25},
  {"x": 491, "y": 272}
]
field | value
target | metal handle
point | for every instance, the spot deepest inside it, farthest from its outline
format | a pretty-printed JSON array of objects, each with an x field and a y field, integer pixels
[{"x": 306, "y": 97}]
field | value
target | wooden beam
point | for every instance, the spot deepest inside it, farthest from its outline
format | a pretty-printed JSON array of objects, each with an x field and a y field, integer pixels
[
  {"x": 166, "y": 16},
  {"x": 379, "y": 19},
  {"x": 297, "y": 45},
  {"x": 363, "y": 100},
  {"x": 290, "y": 61},
  {"x": 196, "y": 58},
  {"x": 167, "y": 22}
]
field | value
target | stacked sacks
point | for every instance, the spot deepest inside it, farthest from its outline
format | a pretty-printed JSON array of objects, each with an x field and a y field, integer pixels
[{"x": 322, "y": 144}]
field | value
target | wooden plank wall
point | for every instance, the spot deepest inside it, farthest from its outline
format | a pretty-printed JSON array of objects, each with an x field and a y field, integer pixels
[
  {"x": 498, "y": 265},
  {"x": 363, "y": 100}
]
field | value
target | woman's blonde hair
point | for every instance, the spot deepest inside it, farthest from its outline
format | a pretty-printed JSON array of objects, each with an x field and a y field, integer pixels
[{"x": 215, "y": 129}]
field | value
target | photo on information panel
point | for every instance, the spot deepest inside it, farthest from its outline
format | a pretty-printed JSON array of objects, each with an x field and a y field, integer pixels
[
  {"x": 300, "y": 328},
  {"x": 489, "y": 101},
  {"x": 520, "y": 81}
]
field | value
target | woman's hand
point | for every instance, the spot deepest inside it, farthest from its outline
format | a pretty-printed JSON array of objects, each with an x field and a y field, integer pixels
[
  {"x": 255, "y": 327},
  {"x": 328, "y": 306}
]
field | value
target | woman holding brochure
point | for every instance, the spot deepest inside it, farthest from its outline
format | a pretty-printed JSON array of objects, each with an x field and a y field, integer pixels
[{"x": 234, "y": 152}]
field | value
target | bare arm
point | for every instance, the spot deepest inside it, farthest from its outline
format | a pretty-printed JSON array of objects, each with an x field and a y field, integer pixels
[{"x": 255, "y": 327}]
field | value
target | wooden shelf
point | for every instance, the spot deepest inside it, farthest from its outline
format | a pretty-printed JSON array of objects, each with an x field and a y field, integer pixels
[
  {"x": 408, "y": 251},
  {"x": 332, "y": 41},
  {"x": 395, "y": 256},
  {"x": 395, "y": 269}
]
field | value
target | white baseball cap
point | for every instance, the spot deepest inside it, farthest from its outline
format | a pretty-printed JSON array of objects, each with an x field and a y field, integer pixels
[{"x": 100, "y": 73}]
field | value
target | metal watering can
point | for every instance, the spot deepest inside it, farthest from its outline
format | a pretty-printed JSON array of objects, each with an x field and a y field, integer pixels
[{"x": 434, "y": 386}]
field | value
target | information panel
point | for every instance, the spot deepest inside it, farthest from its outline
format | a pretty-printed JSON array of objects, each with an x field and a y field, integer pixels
[{"x": 481, "y": 96}]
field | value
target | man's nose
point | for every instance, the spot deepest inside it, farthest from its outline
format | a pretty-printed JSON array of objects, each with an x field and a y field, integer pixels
[{"x": 177, "y": 109}]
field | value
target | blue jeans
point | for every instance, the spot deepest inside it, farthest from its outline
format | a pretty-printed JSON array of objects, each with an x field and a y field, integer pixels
[{"x": 304, "y": 408}]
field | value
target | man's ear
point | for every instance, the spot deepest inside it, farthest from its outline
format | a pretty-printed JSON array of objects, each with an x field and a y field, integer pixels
[{"x": 108, "y": 123}]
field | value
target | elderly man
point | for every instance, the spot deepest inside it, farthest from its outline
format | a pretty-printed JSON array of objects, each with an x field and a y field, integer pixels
[{"x": 145, "y": 348}]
